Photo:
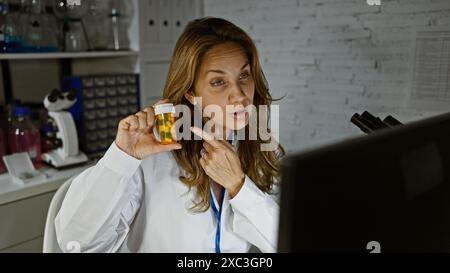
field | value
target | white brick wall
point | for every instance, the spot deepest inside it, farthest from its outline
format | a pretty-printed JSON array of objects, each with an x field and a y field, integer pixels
[{"x": 332, "y": 58}]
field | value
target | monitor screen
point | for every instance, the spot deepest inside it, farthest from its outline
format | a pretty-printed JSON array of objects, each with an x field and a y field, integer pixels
[{"x": 384, "y": 192}]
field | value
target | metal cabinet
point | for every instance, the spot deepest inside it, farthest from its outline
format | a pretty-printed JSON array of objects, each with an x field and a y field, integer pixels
[{"x": 160, "y": 24}]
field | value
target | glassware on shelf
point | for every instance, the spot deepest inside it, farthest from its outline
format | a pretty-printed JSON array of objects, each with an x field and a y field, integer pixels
[
  {"x": 3, "y": 10},
  {"x": 34, "y": 32},
  {"x": 52, "y": 32},
  {"x": 12, "y": 33},
  {"x": 74, "y": 30},
  {"x": 97, "y": 20},
  {"x": 75, "y": 39},
  {"x": 26, "y": 26},
  {"x": 64, "y": 9},
  {"x": 120, "y": 12},
  {"x": 40, "y": 28},
  {"x": 24, "y": 10}
]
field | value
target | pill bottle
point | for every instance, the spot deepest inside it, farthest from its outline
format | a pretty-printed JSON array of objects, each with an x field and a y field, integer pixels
[{"x": 164, "y": 121}]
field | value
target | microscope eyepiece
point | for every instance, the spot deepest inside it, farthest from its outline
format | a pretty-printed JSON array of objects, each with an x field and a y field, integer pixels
[
  {"x": 54, "y": 95},
  {"x": 72, "y": 95}
]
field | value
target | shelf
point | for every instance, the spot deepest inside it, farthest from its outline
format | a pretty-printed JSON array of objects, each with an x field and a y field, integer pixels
[{"x": 67, "y": 55}]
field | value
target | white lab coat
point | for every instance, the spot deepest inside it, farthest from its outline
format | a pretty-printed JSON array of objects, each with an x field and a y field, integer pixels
[{"x": 123, "y": 204}]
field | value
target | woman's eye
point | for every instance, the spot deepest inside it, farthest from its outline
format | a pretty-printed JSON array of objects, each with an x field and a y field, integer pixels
[
  {"x": 244, "y": 76},
  {"x": 217, "y": 83}
]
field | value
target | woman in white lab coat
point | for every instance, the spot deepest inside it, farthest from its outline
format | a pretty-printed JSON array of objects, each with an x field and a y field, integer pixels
[{"x": 196, "y": 195}]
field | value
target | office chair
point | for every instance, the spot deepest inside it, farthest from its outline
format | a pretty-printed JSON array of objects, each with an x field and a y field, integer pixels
[{"x": 50, "y": 244}]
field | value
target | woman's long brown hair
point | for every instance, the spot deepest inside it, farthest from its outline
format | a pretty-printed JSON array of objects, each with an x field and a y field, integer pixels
[{"x": 197, "y": 39}]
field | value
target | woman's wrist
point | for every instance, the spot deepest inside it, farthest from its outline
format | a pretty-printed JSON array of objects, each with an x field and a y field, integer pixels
[{"x": 234, "y": 190}]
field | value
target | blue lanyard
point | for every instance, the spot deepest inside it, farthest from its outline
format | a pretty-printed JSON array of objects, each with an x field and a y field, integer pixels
[{"x": 218, "y": 213}]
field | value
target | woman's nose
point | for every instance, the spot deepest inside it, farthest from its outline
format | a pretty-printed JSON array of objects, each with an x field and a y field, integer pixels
[{"x": 237, "y": 94}]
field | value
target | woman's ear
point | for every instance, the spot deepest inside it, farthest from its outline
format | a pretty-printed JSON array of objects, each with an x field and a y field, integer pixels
[{"x": 190, "y": 98}]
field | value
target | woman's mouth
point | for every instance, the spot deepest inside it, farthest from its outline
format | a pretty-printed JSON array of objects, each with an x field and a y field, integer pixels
[{"x": 240, "y": 115}]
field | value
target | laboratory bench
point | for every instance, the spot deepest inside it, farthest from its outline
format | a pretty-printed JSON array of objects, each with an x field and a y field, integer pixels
[{"x": 23, "y": 208}]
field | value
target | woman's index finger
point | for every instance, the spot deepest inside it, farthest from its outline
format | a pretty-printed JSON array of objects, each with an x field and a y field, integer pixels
[{"x": 206, "y": 137}]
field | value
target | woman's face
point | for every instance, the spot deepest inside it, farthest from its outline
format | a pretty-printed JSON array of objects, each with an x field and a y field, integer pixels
[{"x": 225, "y": 79}]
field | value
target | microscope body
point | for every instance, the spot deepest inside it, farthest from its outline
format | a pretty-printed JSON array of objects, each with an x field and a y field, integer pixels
[{"x": 68, "y": 154}]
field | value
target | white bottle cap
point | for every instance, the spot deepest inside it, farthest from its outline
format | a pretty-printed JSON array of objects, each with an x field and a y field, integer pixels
[{"x": 164, "y": 108}]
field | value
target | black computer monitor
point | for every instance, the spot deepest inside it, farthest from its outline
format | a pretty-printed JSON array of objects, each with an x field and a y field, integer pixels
[{"x": 386, "y": 191}]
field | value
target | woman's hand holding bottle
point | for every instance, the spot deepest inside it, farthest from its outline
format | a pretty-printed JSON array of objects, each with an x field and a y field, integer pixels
[{"x": 135, "y": 135}]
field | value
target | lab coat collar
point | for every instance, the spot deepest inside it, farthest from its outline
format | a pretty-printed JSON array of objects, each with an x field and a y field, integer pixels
[{"x": 225, "y": 203}]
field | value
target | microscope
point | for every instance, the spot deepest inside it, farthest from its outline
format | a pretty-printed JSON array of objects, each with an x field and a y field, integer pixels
[
  {"x": 369, "y": 123},
  {"x": 67, "y": 152}
]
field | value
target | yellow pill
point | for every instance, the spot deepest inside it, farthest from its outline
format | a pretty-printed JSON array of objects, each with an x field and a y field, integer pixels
[{"x": 165, "y": 118}]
